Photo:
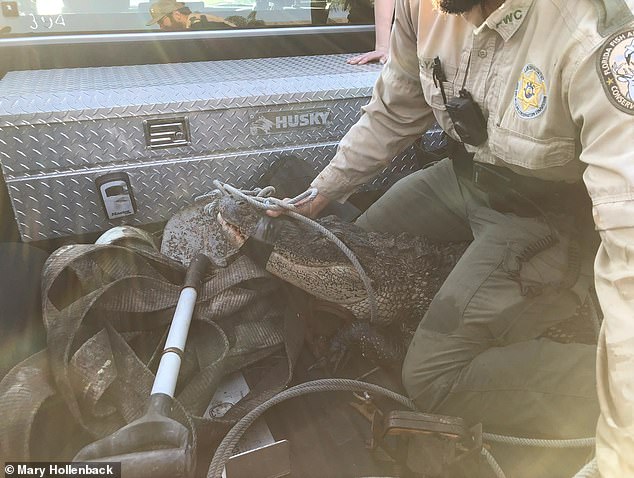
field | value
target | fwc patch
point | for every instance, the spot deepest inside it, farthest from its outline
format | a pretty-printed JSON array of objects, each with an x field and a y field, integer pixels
[
  {"x": 616, "y": 69},
  {"x": 530, "y": 93}
]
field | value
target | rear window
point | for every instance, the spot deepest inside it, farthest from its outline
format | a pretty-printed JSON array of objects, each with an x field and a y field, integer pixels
[{"x": 21, "y": 18}]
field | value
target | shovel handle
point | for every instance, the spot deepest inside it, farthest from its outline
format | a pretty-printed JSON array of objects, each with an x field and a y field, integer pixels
[{"x": 169, "y": 366}]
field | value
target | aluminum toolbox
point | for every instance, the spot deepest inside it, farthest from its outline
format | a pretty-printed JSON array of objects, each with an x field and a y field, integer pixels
[{"x": 85, "y": 149}]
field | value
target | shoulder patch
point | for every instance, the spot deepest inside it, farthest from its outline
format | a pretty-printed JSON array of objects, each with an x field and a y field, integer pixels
[
  {"x": 613, "y": 15},
  {"x": 616, "y": 69}
]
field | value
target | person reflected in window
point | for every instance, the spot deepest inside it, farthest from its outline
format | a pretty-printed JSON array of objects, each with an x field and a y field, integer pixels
[
  {"x": 383, "y": 15},
  {"x": 171, "y": 15}
]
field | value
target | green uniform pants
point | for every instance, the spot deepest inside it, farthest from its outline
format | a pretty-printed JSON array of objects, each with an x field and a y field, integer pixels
[{"x": 476, "y": 353}]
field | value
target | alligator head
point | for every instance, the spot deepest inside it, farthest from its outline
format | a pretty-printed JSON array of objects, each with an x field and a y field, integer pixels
[{"x": 238, "y": 219}]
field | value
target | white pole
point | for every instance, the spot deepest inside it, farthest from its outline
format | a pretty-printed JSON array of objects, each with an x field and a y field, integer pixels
[{"x": 169, "y": 366}]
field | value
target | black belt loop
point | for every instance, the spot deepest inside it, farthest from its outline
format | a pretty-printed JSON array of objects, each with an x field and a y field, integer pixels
[{"x": 461, "y": 159}]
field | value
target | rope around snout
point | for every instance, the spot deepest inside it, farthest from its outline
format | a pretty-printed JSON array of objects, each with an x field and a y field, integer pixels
[{"x": 262, "y": 199}]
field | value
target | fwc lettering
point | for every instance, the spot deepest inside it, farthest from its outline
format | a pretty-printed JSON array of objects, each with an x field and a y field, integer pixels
[{"x": 509, "y": 18}]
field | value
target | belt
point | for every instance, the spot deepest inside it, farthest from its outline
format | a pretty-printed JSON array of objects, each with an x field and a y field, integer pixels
[{"x": 522, "y": 195}]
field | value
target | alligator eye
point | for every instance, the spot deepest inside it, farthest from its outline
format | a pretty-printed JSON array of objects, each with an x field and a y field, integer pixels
[{"x": 241, "y": 202}]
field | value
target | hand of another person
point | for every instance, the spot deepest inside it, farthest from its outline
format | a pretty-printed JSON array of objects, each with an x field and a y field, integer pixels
[
  {"x": 305, "y": 207},
  {"x": 376, "y": 55}
]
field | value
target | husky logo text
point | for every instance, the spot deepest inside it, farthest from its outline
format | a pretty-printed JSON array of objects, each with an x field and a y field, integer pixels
[{"x": 281, "y": 121}]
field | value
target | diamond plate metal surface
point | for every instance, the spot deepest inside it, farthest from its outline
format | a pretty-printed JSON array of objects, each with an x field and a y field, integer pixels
[
  {"x": 62, "y": 129},
  {"x": 74, "y": 146},
  {"x": 61, "y": 205},
  {"x": 49, "y": 96}
]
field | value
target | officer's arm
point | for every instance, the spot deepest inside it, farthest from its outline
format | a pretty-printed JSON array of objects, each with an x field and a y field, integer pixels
[
  {"x": 606, "y": 118},
  {"x": 394, "y": 118}
]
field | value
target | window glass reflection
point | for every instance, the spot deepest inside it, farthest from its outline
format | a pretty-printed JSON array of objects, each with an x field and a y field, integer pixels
[{"x": 20, "y": 17}]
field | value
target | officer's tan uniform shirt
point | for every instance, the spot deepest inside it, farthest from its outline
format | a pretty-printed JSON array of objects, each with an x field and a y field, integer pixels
[{"x": 555, "y": 80}]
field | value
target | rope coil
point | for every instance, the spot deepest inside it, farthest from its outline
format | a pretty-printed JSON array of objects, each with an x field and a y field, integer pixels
[{"x": 228, "y": 444}]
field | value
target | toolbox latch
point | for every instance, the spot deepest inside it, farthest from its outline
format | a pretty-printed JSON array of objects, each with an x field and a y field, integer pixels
[{"x": 166, "y": 132}]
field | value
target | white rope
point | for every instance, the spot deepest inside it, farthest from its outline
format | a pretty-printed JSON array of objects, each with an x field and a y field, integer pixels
[
  {"x": 495, "y": 466},
  {"x": 537, "y": 442},
  {"x": 261, "y": 199}
]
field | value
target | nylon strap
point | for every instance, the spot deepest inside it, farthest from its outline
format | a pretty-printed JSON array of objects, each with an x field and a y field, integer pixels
[{"x": 106, "y": 310}]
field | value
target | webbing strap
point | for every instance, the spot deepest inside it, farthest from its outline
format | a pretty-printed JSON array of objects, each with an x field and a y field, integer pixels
[
  {"x": 29, "y": 384},
  {"x": 106, "y": 310}
]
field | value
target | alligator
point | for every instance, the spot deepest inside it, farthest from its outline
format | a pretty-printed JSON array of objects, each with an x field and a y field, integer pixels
[{"x": 405, "y": 271}]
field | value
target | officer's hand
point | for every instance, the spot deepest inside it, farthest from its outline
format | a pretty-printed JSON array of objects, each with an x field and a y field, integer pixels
[
  {"x": 306, "y": 207},
  {"x": 376, "y": 55}
]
